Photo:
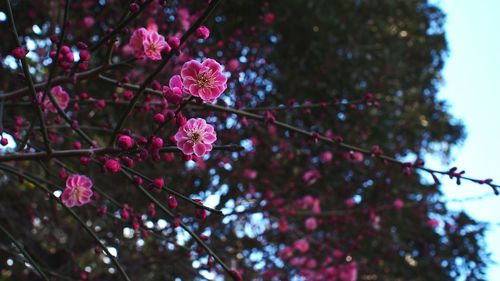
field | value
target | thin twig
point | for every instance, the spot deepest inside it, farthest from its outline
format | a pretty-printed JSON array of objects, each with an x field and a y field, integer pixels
[
  {"x": 25, "y": 253},
  {"x": 43, "y": 155},
  {"x": 29, "y": 80}
]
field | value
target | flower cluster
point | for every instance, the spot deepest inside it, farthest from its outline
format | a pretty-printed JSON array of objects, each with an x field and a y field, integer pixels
[{"x": 206, "y": 81}]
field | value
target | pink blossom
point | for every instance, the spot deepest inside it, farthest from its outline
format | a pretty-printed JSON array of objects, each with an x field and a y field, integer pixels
[
  {"x": 204, "y": 80},
  {"x": 283, "y": 225},
  {"x": 348, "y": 272},
  {"x": 136, "y": 42},
  {"x": 149, "y": 43},
  {"x": 286, "y": 252},
  {"x": 59, "y": 94},
  {"x": 173, "y": 93},
  {"x": 196, "y": 136},
  {"x": 311, "y": 263},
  {"x": 338, "y": 254},
  {"x": 175, "y": 84},
  {"x": 297, "y": 261},
  {"x": 154, "y": 44},
  {"x": 356, "y": 157},
  {"x": 310, "y": 177},
  {"x": 301, "y": 245},
  {"x": 326, "y": 157},
  {"x": 78, "y": 191},
  {"x": 316, "y": 209},
  {"x": 349, "y": 202},
  {"x": 250, "y": 174},
  {"x": 269, "y": 18},
  {"x": 308, "y": 200},
  {"x": 433, "y": 223},
  {"x": 174, "y": 42},
  {"x": 311, "y": 223},
  {"x": 20, "y": 53},
  {"x": 398, "y": 204},
  {"x": 88, "y": 21},
  {"x": 233, "y": 65}
]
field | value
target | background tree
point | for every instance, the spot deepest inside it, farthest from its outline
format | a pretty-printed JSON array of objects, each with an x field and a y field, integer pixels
[{"x": 294, "y": 194}]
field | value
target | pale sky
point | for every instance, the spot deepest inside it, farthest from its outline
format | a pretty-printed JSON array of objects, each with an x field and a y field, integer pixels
[{"x": 472, "y": 75}]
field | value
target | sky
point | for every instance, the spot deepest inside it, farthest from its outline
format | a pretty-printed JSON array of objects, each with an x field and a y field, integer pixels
[{"x": 472, "y": 77}]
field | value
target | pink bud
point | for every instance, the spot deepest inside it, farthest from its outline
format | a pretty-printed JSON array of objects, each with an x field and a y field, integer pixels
[
  {"x": 84, "y": 55},
  {"x": 350, "y": 202},
  {"x": 84, "y": 161},
  {"x": 172, "y": 201},
  {"x": 65, "y": 50},
  {"x": 202, "y": 32},
  {"x": 77, "y": 145},
  {"x": 101, "y": 104},
  {"x": 112, "y": 165},
  {"x": 19, "y": 53},
  {"x": 311, "y": 223},
  {"x": 125, "y": 142},
  {"x": 159, "y": 118},
  {"x": 125, "y": 214},
  {"x": 157, "y": 142},
  {"x": 127, "y": 95},
  {"x": 398, "y": 204},
  {"x": 269, "y": 18},
  {"x": 134, "y": 7},
  {"x": 158, "y": 183},
  {"x": 173, "y": 42}
]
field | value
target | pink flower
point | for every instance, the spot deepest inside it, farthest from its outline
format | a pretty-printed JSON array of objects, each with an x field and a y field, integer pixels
[
  {"x": 88, "y": 21},
  {"x": 148, "y": 43},
  {"x": 78, "y": 191},
  {"x": 196, "y": 136},
  {"x": 311, "y": 223},
  {"x": 233, "y": 65},
  {"x": 136, "y": 42},
  {"x": 398, "y": 204},
  {"x": 286, "y": 253},
  {"x": 283, "y": 225},
  {"x": 173, "y": 93},
  {"x": 269, "y": 18},
  {"x": 356, "y": 157},
  {"x": 348, "y": 272},
  {"x": 250, "y": 174},
  {"x": 154, "y": 44},
  {"x": 175, "y": 84},
  {"x": 349, "y": 202},
  {"x": 310, "y": 177},
  {"x": 19, "y": 53},
  {"x": 433, "y": 223},
  {"x": 59, "y": 94},
  {"x": 204, "y": 80},
  {"x": 326, "y": 157},
  {"x": 301, "y": 245}
]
